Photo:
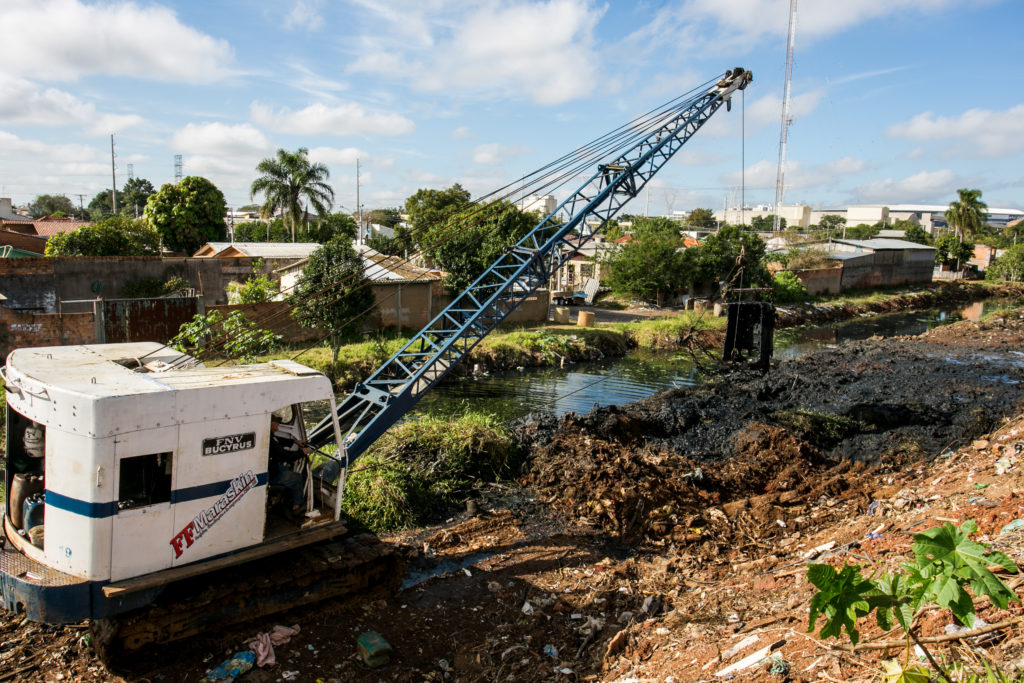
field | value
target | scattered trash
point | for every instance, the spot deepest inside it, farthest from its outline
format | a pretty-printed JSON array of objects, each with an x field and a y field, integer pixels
[
  {"x": 777, "y": 666},
  {"x": 1004, "y": 464},
  {"x": 979, "y": 487},
  {"x": 374, "y": 650},
  {"x": 493, "y": 586},
  {"x": 263, "y": 644},
  {"x": 551, "y": 651},
  {"x": 289, "y": 675},
  {"x": 231, "y": 669},
  {"x": 750, "y": 660},
  {"x": 1013, "y": 526},
  {"x": 527, "y": 609},
  {"x": 566, "y": 671},
  {"x": 443, "y": 665}
]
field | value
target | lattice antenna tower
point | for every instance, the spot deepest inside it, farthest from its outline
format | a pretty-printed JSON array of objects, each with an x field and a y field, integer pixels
[
  {"x": 131, "y": 171},
  {"x": 784, "y": 133},
  {"x": 177, "y": 168}
]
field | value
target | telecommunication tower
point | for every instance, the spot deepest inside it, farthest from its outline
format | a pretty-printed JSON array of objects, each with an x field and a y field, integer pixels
[
  {"x": 177, "y": 168},
  {"x": 784, "y": 134},
  {"x": 131, "y": 171}
]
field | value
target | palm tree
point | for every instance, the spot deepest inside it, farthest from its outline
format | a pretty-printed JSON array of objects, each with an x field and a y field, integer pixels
[
  {"x": 286, "y": 180},
  {"x": 967, "y": 215}
]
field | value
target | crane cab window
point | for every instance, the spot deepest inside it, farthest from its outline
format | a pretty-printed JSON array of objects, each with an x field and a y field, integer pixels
[{"x": 144, "y": 480}]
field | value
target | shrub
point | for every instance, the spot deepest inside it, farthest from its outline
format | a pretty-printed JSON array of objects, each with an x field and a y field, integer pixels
[{"x": 788, "y": 288}]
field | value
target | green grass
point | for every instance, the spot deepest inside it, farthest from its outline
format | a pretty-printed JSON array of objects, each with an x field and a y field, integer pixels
[{"x": 421, "y": 468}]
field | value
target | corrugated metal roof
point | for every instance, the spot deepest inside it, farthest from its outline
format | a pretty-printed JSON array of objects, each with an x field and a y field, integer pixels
[{"x": 881, "y": 244}]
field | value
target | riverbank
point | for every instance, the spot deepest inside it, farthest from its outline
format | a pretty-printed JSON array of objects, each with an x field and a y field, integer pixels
[
  {"x": 557, "y": 345},
  {"x": 669, "y": 539}
]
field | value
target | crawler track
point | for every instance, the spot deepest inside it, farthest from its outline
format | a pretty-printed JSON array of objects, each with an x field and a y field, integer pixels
[{"x": 246, "y": 592}]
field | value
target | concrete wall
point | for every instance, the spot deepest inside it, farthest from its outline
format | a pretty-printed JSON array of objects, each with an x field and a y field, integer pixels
[
  {"x": 888, "y": 267},
  {"x": 821, "y": 280},
  {"x": 275, "y": 316},
  {"x": 402, "y": 304},
  {"x": 534, "y": 309},
  {"x": 36, "y": 284}
]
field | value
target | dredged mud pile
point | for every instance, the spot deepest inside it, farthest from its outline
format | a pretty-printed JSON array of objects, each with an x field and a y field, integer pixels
[{"x": 760, "y": 448}]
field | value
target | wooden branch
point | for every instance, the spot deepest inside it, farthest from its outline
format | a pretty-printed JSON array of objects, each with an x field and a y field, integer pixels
[{"x": 949, "y": 637}]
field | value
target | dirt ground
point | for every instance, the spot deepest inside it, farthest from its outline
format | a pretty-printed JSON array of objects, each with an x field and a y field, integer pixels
[{"x": 668, "y": 539}]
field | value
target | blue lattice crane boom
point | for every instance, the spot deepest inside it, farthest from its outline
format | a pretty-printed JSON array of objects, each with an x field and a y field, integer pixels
[{"x": 394, "y": 388}]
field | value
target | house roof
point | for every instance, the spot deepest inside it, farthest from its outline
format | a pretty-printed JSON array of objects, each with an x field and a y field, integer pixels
[
  {"x": 379, "y": 268},
  {"x": 271, "y": 250},
  {"x": 43, "y": 227},
  {"x": 883, "y": 244}
]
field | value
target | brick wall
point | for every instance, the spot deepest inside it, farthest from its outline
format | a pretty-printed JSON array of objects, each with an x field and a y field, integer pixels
[
  {"x": 821, "y": 280},
  {"x": 18, "y": 330}
]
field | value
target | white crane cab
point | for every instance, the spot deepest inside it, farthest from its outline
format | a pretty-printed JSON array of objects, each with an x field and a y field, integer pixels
[{"x": 129, "y": 466}]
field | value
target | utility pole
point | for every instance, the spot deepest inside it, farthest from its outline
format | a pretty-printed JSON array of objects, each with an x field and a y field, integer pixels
[
  {"x": 784, "y": 134},
  {"x": 113, "y": 176},
  {"x": 81, "y": 199},
  {"x": 359, "y": 209}
]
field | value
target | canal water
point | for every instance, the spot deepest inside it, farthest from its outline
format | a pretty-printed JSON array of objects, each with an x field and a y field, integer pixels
[{"x": 581, "y": 387}]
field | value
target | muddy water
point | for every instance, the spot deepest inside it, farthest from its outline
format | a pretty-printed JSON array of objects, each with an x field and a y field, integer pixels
[{"x": 582, "y": 387}]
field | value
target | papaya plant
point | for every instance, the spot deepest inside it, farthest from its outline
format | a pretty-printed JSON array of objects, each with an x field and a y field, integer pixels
[{"x": 947, "y": 569}]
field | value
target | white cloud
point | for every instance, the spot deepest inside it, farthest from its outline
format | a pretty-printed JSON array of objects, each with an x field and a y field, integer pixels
[
  {"x": 923, "y": 186},
  {"x": 462, "y": 133},
  {"x": 219, "y": 139},
  {"x": 334, "y": 156},
  {"x": 799, "y": 176},
  {"x": 767, "y": 110},
  {"x": 68, "y": 39},
  {"x": 492, "y": 154},
  {"x": 24, "y": 102},
  {"x": 981, "y": 132},
  {"x": 13, "y": 146},
  {"x": 305, "y": 15},
  {"x": 545, "y": 51},
  {"x": 321, "y": 119}
]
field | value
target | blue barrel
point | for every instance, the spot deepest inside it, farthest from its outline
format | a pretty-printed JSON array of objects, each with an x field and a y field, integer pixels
[{"x": 32, "y": 512}]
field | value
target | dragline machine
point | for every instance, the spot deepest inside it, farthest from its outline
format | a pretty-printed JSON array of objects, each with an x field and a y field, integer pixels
[{"x": 138, "y": 481}]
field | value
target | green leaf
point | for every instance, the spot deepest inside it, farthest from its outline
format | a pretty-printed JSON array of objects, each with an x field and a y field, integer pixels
[{"x": 842, "y": 599}]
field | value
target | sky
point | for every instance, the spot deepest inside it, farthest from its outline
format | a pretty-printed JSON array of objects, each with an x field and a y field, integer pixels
[{"x": 893, "y": 101}]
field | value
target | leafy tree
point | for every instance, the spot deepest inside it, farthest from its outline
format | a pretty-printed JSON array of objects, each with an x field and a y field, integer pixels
[
  {"x": 702, "y": 219},
  {"x": 258, "y": 288},
  {"x": 467, "y": 245},
  {"x": 967, "y": 214},
  {"x": 188, "y": 215},
  {"x": 132, "y": 200},
  {"x": 291, "y": 183},
  {"x": 832, "y": 224},
  {"x": 329, "y": 227},
  {"x": 861, "y": 231},
  {"x": 429, "y": 211},
  {"x": 389, "y": 218},
  {"x": 914, "y": 233},
  {"x": 1012, "y": 232},
  {"x": 249, "y": 208},
  {"x": 766, "y": 223},
  {"x": 788, "y": 287},
  {"x": 259, "y": 231},
  {"x": 811, "y": 258},
  {"x": 101, "y": 205},
  {"x": 385, "y": 245},
  {"x": 111, "y": 236},
  {"x": 720, "y": 257},
  {"x": 48, "y": 204},
  {"x": 241, "y": 338},
  {"x": 612, "y": 230},
  {"x": 333, "y": 293},
  {"x": 950, "y": 251},
  {"x": 1009, "y": 266},
  {"x": 650, "y": 266}
]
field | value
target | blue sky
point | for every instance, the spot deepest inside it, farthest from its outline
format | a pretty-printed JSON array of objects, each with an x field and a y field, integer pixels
[{"x": 894, "y": 101}]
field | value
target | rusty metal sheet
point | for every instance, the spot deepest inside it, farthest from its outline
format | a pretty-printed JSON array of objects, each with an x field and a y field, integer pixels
[{"x": 135, "y": 320}]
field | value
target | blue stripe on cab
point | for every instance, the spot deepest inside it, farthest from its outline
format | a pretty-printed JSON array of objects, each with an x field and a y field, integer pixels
[{"x": 100, "y": 510}]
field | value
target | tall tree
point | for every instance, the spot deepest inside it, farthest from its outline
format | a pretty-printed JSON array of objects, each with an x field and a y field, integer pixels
[
  {"x": 332, "y": 293},
  {"x": 470, "y": 242},
  {"x": 652, "y": 264},
  {"x": 110, "y": 236},
  {"x": 832, "y": 224},
  {"x": 291, "y": 183},
  {"x": 188, "y": 215},
  {"x": 702, "y": 219},
  {"x": 48, "y": 204},
  {"x": 389, "y": 218},
  {"x": 134, "y": 194},
  {"x": 329, "y": 227},
  {"x": 429, "y": 210},
  {"x": 100, "y": 205},
  {"x": 731, "y": 256},
  {"x": 967, "y": 214}
]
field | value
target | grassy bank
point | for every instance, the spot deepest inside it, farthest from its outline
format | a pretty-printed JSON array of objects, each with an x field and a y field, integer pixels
[{"x": 420, "y": 469}]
